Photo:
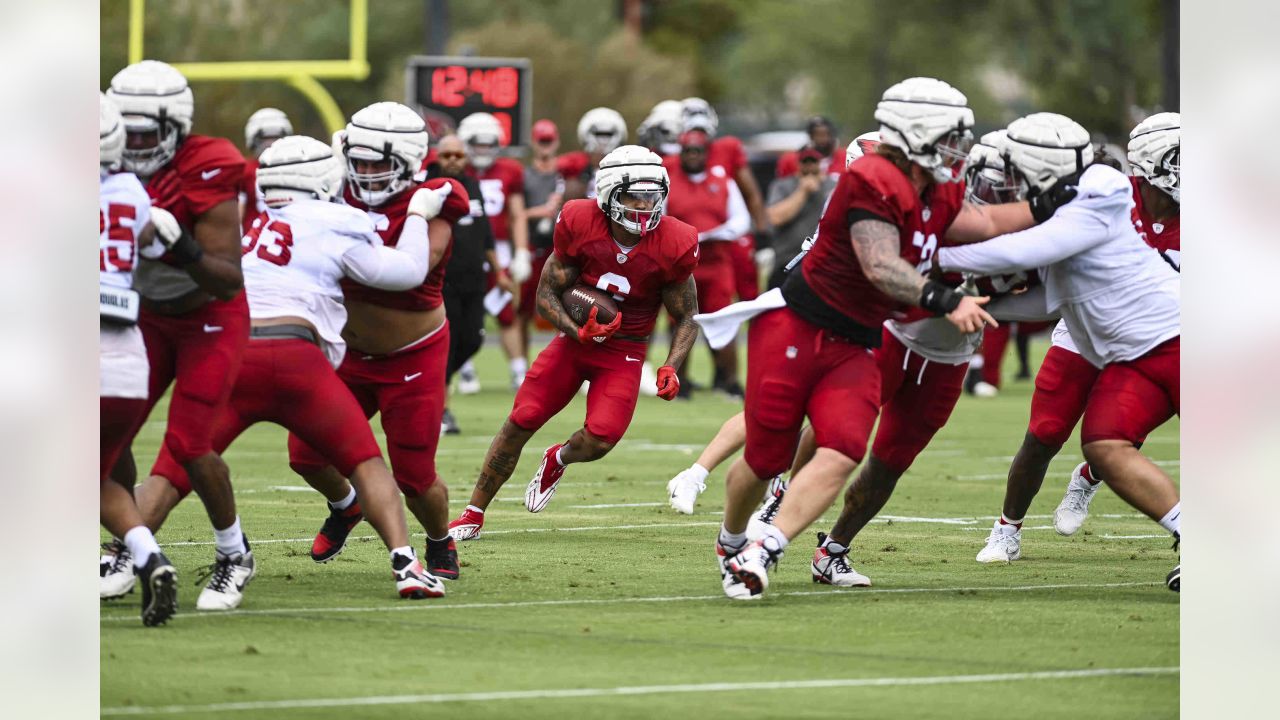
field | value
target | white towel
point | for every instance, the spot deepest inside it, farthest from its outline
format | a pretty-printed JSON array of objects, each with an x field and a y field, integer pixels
[{"x": 721, "y": 326}]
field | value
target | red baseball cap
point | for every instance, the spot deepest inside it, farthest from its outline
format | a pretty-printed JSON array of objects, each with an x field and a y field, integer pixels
[
  {"x": 809, "y": 153},
  {"x": 694, "y": 138},
  {"x": 545, "y": 129}
]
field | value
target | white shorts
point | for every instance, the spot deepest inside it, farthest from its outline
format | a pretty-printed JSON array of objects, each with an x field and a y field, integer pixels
[{"x": 123, "y": 370}]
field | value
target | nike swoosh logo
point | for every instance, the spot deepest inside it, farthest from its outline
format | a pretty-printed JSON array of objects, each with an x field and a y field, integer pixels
[
  {"x": 407, "y": 378},
  {"x": 212, "y": 328},
  {"x": 631, "y": 359},
  {"x": 208, "y": 174}
]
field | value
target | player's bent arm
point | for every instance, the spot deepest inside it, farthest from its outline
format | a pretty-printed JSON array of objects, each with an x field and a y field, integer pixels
[
  {"x": 556, "y": 278},
  {"x": 875, "y": 242},
  {"x": 976, "y": 223},
  {"x": 786, "y": 209},
  {"x": 217, "y": 231},
  {"x": 1063, "y": 235},
  {"x": 681, "y": 300}
]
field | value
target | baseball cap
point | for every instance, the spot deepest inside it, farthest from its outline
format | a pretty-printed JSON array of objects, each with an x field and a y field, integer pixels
[
  {"x": 545, "y": 129},
  {"x": 694, "y": 138},
  {"x": 808, "y": 152}
]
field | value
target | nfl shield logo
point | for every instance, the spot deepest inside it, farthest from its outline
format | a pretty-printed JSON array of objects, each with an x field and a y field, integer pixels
[
  {"x": 927, "y": 212},
  {"x": 622, "y": 257},
  {"x": 1158, "y": 227}
]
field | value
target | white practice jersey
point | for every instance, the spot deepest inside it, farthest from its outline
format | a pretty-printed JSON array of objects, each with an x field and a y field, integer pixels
[
  {"x": 123, "y": 211},
  {"x": 1118, "y": 299}
]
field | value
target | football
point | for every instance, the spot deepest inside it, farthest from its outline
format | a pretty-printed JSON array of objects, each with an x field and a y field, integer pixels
[{"x": 579, "y": 300}]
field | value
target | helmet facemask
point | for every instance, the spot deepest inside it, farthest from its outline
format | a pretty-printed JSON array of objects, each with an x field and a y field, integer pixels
[
  {"x": 482, "y": 152},
  {"x": 989, "y": 185},
  {"x": 638, "y": 206},
  {"x": 146, "y": 161},
  {"x": 1168, "y": 173},
  {"x": 376, "y": 187},
  {"x": 950, "y": 153}
]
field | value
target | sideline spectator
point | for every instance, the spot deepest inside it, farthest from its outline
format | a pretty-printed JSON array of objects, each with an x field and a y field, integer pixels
[{"x": 795, "y": 207}]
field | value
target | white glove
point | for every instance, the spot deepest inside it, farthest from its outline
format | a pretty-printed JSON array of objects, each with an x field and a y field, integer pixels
[
  {"x": 168, "y": 232},
  {"x": 521, "y": 266},
  {"x": 765, "y": 259},
  {"x": 428, "y": 203}
]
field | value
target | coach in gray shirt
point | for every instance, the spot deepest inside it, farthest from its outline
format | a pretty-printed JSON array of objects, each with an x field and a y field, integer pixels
[{"x": 794, "y": 208}]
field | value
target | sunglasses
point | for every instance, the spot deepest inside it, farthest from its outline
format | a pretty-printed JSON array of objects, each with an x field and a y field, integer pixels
[{"x": 451, "y": 156}]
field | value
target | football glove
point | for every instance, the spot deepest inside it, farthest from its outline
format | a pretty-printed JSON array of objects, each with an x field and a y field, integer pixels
[
  {"x": 521, "y": 266},
  {"x": 668, "y": 383},
  {"x": 171, "y": 239},
  {"x": 427, "y": 203},
  {"x": 592, "y": 330}
]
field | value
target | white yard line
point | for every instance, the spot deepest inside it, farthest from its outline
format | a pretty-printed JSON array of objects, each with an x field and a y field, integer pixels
[
  {"x": 433, "y": 607},
  {"x": 625, "y": 691}
]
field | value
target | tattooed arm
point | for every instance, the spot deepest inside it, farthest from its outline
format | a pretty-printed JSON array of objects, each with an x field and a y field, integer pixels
[
  {"x": 875, "y": 243},
  {"x": 556, "y": 278},
  {"x": 681, "y": 300}
]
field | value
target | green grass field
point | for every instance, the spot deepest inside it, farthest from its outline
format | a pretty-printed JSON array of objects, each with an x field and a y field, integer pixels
[{"x": 608, "y": 603}]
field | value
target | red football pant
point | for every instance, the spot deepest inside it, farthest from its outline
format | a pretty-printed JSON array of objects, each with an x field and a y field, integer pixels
[
  {"x": 795, "y": 369},
  {"x": 288, "y": 382},
  {"x": 118, "y": 421},
  {"x": 529, "y": 288},
  {"x": 994, "y": 342},
  {"x": 714, "y": 275},
  {"x": 917, "y": 397},
  {"x": 1063, "y": 384},
  {"x": 199, "y": 353},
  {"x": 746, "y": 276},
  {"x": 613, "y": 369},
  {"x": 408, "y": 388},
  {"x": 1130, "y": 399}
]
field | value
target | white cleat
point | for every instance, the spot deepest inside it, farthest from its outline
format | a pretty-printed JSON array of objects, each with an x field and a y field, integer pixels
[
  {"x": 768, "y": 509},
  {"x": 1074, "y": 508},
  {"x": 834, "y": 569},
  {"x": 733, "y": 588},
  {"x": 1002, "y": 547},
  {"x": 468, "y": 381},
  {"x": 683, "y": 491},
  {"x": 751, "y": 567},
  {"x": 228, "y": 577},
  {"x": 413, "y": 582},
  {"x": 985, "y": 389},
  {"x": 115, "y": 572},
  {"x": 544, "y": 483}
]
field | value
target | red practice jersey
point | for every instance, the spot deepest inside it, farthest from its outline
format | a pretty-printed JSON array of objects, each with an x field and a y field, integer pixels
[
  {"x": 728, "y": 153},
  {"x": 704, "y": 205},
  {"x": 388, "y": 220},
  {"x": 205, "y": 172},
  {"x": 498, "y": 183},
  {"x": 250, "y": 199},
  {"x": 1163, "y": 235},
  {"x": 636, "y": 277},
  {"x": 874, "y": 187}
]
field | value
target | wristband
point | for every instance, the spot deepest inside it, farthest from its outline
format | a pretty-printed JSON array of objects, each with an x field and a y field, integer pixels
[
  {"x": 186, "y": 250},
  {"x": 938, "y": 298}
]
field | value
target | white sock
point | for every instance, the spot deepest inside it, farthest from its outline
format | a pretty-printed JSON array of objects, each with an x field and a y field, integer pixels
[
  {"x": 519, "y": 366},
  {"x": 699, "y": 473},
  {"x": 231, "y": 540},
  {"x": 1170, "y": 520},
  {"x": 559, "y": 458},
  {"x": 345, "y": 502},
  {"x": 732, "y": 541},
  {"x": 1008, "y": 525},
  {"x": 774, "y": 540},
  {"x": 474, "y": 509},
  {"x": 468, "y": 368},
  {"x": 406, "y": 551},
  {"x": 833, "y": 547},
  {"x": 142, "y": 544}
]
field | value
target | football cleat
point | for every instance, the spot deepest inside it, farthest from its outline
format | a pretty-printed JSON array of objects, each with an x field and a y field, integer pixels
[
  {"x": 1074, "y": 507},
  {"x": 228, "y": 576},
  {"x": 1001, "y": 547},
  {"x": 115, "y": 571},
  {"x": 467, "y": 526},
  {"x": 751, "y": 566},
  {"x": 543, "y": 485},
  {"x": 449, "y": 424},
  {"x": 159, "y": 590},
  {"x": 468, "y": 381},
  {"x": 412, "y": 581},
  {"x": 1173, "y": 580},
  {"x": 442, "y": 558},
  {"x": 985, "y": 389},
  {"x": 733, "y": 587},
  {"x": 333, "y": 535},
  {"x": 834, "y": 568},
  {"x": 683, "y": 491},
  {"x": 768, "y": 509}
]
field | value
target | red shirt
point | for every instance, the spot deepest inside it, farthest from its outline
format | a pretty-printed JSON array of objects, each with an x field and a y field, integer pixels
[
  {"x": 1163, "y": 235},
  {"x": 205, "y": 172},
  {"x": 789, "y": 163},
  {"x": 574, "y": 164},
  {"x": 874, "y": 185},
  {"x": 501, "y": 180},
  {"x": 388, "y": 220},
  {"x": 667, "y": 255},
  {"x": 728, "y": 153},
  {"x": 704, "y": 205}
]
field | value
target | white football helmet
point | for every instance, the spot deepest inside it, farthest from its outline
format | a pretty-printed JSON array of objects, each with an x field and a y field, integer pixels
[
  {"x": 263, "y": 124},
  {"x": 1155, "y": 152},
  {"x": 482, "y": 134},
  {"x": 931, "y": 122},
  {"x": 632, "y": 172},
  {"x": 984, "y": 173},
  {"x": 663, "y": 125},
  {"x": 861, "y": 145},
  {"x": 110, "y": 134},
  {"x": 601, "y": 130},
  {"x": 699, "y": 115},
  {"x": 298, "y": 167},
  {"x": 154, "y": 98},
  {"x": 1042, "y": 147},
  {"x": 384, "y": 132}
]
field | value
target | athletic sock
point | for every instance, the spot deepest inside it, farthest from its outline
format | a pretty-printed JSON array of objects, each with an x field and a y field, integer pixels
[
  {"x": 559, "y": 458},
  {"x": 732, "y": 541},
  {"x": 142, "y": 545},
  {"x": 774, "y": 540},
  {"x": 833, "y": 547},
  {"x": 519, "y": 366},
  {"x": 1170, "y": 520},
  {"x": 474, "y": 509},
  {"x": 345, "y": 502},
  {"x": 1089, "y": 475},
  {"x": 699, "y": 473},
  {"x": 1006, "y": 522},
  {"x": 231, "y": 540},
  {"x": 404, "y": 552}
]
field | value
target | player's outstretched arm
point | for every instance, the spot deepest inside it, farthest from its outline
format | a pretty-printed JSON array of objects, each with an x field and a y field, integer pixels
[
  {"x": 217, "y": 232},
  {"x": 556, "y": 278},
  {"x": 976, "y": 223},
  {"x": 681, "y": 300}
]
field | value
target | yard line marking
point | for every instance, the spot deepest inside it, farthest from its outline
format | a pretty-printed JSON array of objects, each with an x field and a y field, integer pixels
[
  {"x": 616, "y": 505},
  {"x": 1133, "y": 537},
  {"x": 569, "y": 693},
  {"x": 942, "y": 521},
  {"x": 421, "y": 607}
]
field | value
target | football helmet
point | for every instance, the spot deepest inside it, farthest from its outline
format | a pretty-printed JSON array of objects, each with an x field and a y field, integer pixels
[
  {"x": 1042, "y": 147},
  {"x": 110, "y": 134},
  {"x": 265, "y": 123},
  {"x": 483, "y": 135},
  {"x": 297, "y": 167},
  {"x": 861, "y": 145},
  {"x": 153, "y": 97},
  {"x": 699, "y": 115},
  {"x": 931, "y": 122},
  {"x": 663, "y": 125},
  {"x": 637, "y": 173},
  {"x": 601, "y": 130},
  {"x": 384, "y": 132},
  {"x": 1155, "y": 152},
  {"x": 984, "y": 173}
]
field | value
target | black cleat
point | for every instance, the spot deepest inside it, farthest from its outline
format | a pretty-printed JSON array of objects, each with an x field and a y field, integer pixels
[
  {"x": 159, "y": 582},
  {"x": 1174, "y": 579},
  {"x": 332, "y": 537},
  {"x": 442, "y": 558}
]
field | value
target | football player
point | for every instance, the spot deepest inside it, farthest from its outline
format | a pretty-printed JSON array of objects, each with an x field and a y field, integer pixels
[
  {"x": 264, "y": 127},
  {"x": 660, "y": 131},
  {"x": 815, "y": 355},
  {"x": 124, "y": 212},
  {"x": 1066, "y": 377},
  {"x": 194, "y": 318},
  {"x": 1119, "y": 301},
  {"x": 502, "y": 189},
  {"x": 296, "y": 254},
  {"x": 621, "y": 244},
  {"x": 600, "y": 131}
]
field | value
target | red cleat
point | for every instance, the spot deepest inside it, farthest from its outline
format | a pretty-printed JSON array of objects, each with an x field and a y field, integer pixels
[{"x": 543, "y": 485}]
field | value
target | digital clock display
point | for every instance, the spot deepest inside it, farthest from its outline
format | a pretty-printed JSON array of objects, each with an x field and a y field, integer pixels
[{"x": 459, "y": 86}]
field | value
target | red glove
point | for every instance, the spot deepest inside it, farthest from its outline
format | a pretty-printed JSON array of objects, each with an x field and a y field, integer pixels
[
  {"x": 668, "y": 383},
  {"x": 592, "y": 330}
]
